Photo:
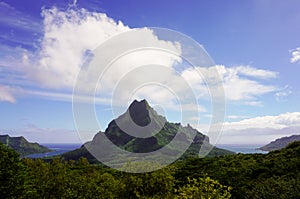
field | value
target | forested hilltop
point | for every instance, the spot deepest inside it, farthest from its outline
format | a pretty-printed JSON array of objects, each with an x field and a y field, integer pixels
[
  {"x": 272, "y": 175},
  {"x": 22, "y": 146}
]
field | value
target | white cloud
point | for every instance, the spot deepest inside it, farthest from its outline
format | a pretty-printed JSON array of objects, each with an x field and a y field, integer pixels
[
  {"x": 236, "y": 116},
  {"x": 67, "y": 44},
  {"x": 261, "y": 130},
  {"x": 275, "y": 122},
  {"x": 68, "y": 36},
  {"x": 6, "y": 94},
  {"x": 253, "y": 72},
  {"x": 239, "y": 83},
  {"x": 282, "y": 94},
  {"x": 69, "y": 40},
  {"x": 240, "y": 88},
  {"x": 71, "y": 36},
  {"x": 295, "y": 55}
]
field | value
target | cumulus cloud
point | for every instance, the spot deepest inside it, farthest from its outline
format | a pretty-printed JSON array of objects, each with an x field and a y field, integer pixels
[
  {"x": 68, "y": 37},
  {"x": 67, "y": 45},
  {"x": 295, "y": 53},
  {"x": 261, "y": 130},
  {"x": 275, "y": 122},
  {"x": 6, "y": 94},
  {"x": 239, "y": 88},
  {"x": 239, "y": 83}
]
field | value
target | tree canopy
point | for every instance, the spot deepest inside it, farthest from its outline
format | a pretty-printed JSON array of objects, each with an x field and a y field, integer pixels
[{"x": 273, "y": 175}]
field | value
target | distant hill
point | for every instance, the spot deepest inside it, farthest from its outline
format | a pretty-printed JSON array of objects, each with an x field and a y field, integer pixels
[
  {"x": 143, "y": 114},
  {"x": 22, "y": 146},
  {"x": 280, "y": 143}
]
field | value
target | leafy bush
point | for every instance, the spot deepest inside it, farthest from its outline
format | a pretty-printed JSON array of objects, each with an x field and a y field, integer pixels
[{"x": 203, "y": 188}]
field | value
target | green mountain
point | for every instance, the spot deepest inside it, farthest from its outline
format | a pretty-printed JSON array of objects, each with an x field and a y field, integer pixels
[
  {"x": 159, "y": 133},
  {"x": 280, "y": 143},
  {"x": 22, "y": 146}
]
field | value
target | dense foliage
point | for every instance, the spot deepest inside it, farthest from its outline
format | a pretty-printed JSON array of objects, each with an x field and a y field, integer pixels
[
  {"x": 273, "y": 175},
  {"x": 12, "y": 173}
]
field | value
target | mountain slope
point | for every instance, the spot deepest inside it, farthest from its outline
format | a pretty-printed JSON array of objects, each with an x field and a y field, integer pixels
[
  {"x": 280, "y": 143},
  {"x": 22, "y": 146},
  {"x": 157, "y": 134}
]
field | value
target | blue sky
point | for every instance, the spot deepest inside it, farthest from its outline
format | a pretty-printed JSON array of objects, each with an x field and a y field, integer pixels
[{"x": 254, "y": 44}]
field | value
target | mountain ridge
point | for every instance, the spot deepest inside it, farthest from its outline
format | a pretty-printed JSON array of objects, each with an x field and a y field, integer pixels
[{"x": 280, "y": 143}]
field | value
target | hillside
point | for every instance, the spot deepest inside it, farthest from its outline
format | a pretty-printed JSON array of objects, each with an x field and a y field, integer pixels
[
  {"x": 22, "y": 146},
  {"x": 272, "y": 175},
  {"x": 280, "y": 143},
  {"x": 143, "y": 114}
]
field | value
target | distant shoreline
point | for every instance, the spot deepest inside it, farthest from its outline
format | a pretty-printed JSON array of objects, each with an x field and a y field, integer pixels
[
  {"x": 242, "y": 148},
  {"x": 60, "y": 148}
]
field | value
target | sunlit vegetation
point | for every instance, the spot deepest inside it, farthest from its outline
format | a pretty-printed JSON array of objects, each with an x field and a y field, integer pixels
[{"x": 273, "y": 175}]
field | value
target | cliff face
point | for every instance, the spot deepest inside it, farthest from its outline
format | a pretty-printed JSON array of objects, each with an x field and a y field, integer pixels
[
  {"x": 280, "y": 143},
  {"x": 22, "y": 146}
]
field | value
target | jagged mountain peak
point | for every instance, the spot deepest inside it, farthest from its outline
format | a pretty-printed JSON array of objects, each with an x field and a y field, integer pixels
[
  {"x": 126, "y": 135},
  {"x": 140, "y": 112},
  {"x": 142, "y": 103}
]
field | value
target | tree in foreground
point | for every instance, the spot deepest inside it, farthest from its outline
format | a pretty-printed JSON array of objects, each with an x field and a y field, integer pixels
[{"x": 203, "y": 188}]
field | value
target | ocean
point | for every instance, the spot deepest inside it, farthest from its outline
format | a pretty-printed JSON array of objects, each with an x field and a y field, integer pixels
[
  {"x": 63, "y": 148},
  {"x": 58, "y": 149},
  {"x": 245, "y": 149}
]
